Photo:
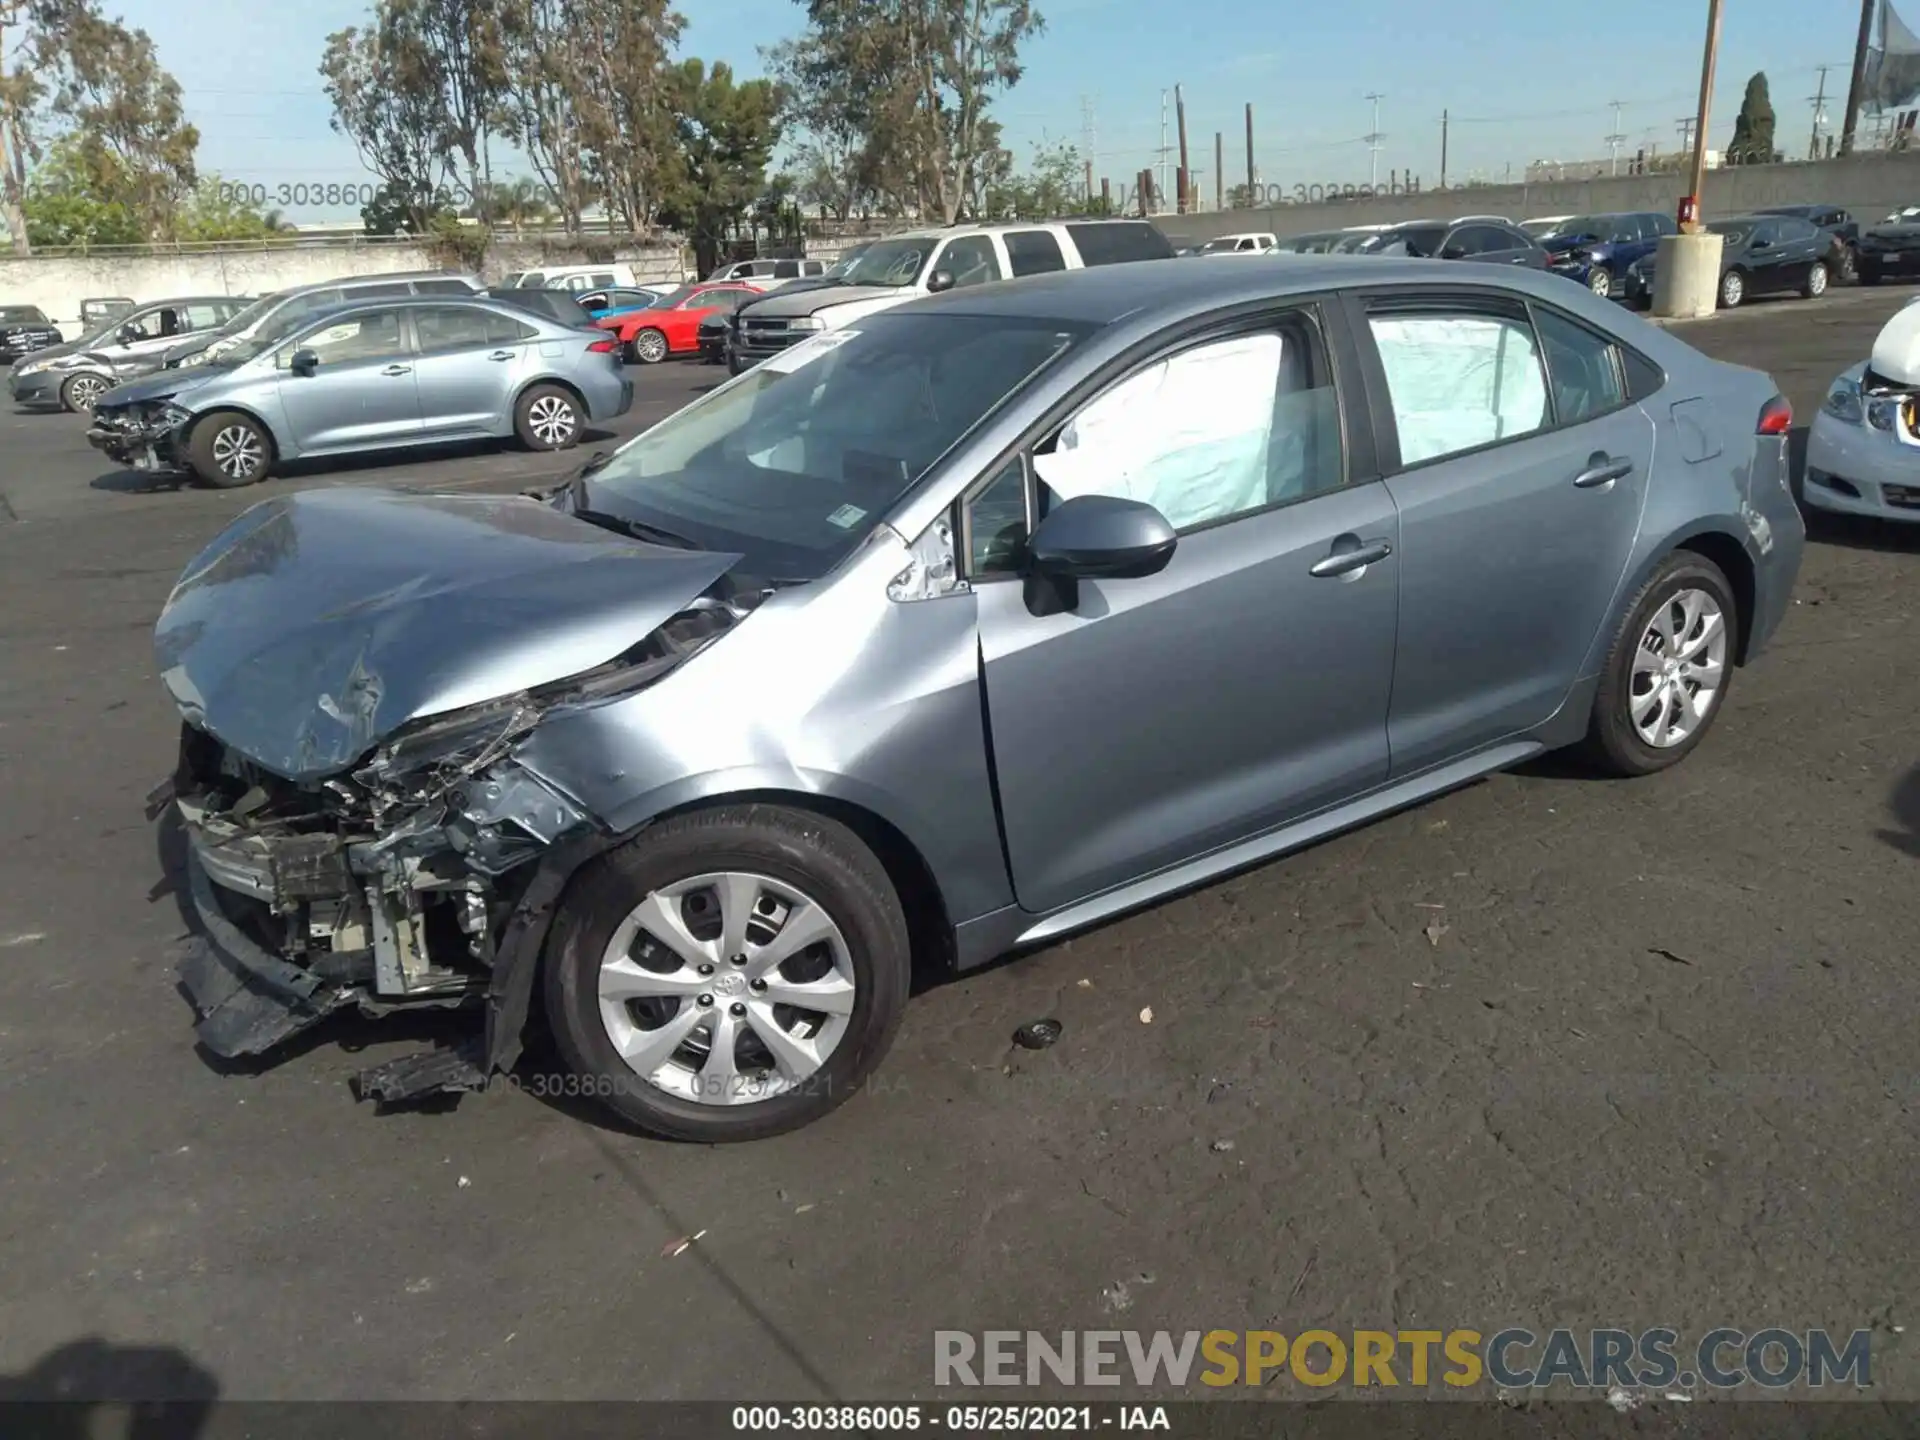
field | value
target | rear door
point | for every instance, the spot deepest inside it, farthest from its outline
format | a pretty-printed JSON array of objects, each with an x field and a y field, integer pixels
[
  {"x": 1518, "y": 465},
  {"x": 1766, "y": 260},
  {"x": 468, "y": 362}
]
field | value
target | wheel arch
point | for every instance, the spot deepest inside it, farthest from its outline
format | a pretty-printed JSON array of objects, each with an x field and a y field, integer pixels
[
  {"x": 1730, "y": 555},
  {"x": 558, "y": 383}
]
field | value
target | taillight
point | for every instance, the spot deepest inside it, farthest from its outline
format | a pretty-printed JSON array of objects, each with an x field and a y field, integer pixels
[
  {"x": 1776, "y": 416},
  {"x": 602, "y": 347}
]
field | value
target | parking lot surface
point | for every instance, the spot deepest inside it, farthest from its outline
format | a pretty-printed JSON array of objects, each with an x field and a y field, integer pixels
[{"x": 1545, "y": 1052}]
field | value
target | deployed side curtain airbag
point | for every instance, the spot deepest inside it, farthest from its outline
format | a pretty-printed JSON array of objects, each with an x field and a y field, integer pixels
[{"x": 1459, "y": 382}]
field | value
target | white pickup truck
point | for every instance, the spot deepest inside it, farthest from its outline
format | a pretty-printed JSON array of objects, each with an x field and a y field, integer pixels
[{"x": 925, "y": 262}]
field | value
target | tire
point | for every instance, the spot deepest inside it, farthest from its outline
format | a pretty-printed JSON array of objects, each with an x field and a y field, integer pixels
[
  {"x": 768, "y": 847},
  {"x": 1600, "y": 281},
  {"x": 79, "y": 392},
  {"x": 648, "y": 347},
  {"x": 734, "y": 367},
  {"x": 548, "y": 417},
  {"x": 1733, "y": 289},
  {"x": 1615, "y": 743},
  {"x": 1848, "y": 268},
  {"x": 229, "y": 450},
  {"x": 1815, "y": 285}
]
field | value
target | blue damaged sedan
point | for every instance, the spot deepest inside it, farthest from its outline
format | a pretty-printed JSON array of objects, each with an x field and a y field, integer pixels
[
  {"x": 965, "y": 627},
  {"x": 368, "y": 376}
]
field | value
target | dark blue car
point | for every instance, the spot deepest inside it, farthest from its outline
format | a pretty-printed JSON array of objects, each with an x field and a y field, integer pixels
[{"x": 1597, "y": 250}]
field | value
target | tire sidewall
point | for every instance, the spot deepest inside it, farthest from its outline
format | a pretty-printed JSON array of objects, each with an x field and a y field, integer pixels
[
  {"x": 606, "y": 892},
  {"x": 523, "y": 422},
  {"x": 1595, "y": 279},
  {"x": 1736, "y": 279},
  {"x": 639, "y": 348},
  {"x": 1679, "y": 572},
  {"x": 200, "y": 449},
  {"x": 1817, "y": 279},
  {"x": 66, "y": 393}
]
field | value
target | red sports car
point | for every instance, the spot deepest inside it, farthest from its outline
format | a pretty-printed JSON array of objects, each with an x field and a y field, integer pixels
[{"x": 671, "y": 325}]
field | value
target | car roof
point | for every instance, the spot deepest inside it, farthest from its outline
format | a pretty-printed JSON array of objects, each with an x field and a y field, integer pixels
[
  {"x": 942, "y": 232},
  {"x": 351, "y": 281},
  {"x": 1104, "y": 294}
]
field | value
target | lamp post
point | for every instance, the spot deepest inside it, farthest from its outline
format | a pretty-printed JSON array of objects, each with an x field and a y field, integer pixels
[{"x": 1690, "y": 205}]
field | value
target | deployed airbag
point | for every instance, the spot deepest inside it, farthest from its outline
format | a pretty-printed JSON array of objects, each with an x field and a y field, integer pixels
[{"x": 1458, "y": 382}]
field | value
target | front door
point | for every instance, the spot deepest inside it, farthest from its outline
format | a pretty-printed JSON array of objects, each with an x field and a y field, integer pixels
[
  {"x": 1243, "y": 686},
  {"x": 362, "y": 394},
  {"x": 467, "y": 366},
  {"x": 1522, "y": 467}
]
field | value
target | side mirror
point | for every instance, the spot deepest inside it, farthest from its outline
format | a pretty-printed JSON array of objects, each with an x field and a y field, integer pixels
[
  {"x": 938, "y": 281},
  {"x": 1093, "y": 537},
  {"x": 303, "y": 362}
]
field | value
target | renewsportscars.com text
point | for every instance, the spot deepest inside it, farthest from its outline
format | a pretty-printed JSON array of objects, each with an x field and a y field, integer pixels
[{"x": 1513, "y": 1359}]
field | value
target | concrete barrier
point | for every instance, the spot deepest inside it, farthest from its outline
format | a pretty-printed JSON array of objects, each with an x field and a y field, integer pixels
[
  {"x": 1686, "y": 276},
  {"x": 58, "y": 283},
  {"x": 1871, "y": 186}
]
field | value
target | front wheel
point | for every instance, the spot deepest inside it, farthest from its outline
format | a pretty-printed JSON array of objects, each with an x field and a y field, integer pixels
[
  {"x": 1733, "y": 289},
  {"x": 729, "y": 974},
  {"x": 78, "y": 393},
  {"x": 1668, "y": 669},
  {"x": 1815, "y": 285},
  {"x": 547, "y": 418},
  {"x": 228, "y": 450}
]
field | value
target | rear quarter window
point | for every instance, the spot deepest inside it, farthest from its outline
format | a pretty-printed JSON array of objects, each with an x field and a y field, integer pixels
[{"x": 1114, "y": 243}]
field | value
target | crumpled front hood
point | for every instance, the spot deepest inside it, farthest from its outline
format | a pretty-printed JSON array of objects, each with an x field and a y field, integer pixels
[
  {"x": 316, "y": 625},
  {"x": 157, "y": 386}
]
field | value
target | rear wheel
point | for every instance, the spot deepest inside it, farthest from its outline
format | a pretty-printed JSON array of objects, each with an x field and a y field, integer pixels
[
  {"x": 649, "y": 347},
  {"x": 1733, "y": 289},
  {"x": 1600, "y": 281},
  {"x": 730, "y": 974},
  {"x": 1847, "y": 264},
  {"x": 1815, "y": 285},
  {"x": 79, "y": 393},
  {"x": 1668, "y": 669},
  {"x": 547, "y": 418},
  {"x": 228, "y": 450}
]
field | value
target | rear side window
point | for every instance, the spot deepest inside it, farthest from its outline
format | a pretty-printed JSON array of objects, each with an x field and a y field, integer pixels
[
  {"x": 787, "y": 270},
  {"x": 1458, "y": 380},
  {"x": 439, "y": 330},
  {"x": 378, "y": 292},
  {"x": 442, "y": 287},
  {"x": 1116, "y": 242},
  {"x": 1033, "y": 252},
  {"x": 505, "y": 330},
  {"x": 1583, "y": 369}
]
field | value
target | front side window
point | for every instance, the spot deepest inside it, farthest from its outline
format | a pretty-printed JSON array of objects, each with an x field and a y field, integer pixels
[
  {"x": 1584, "y": 369},
  {"x": 150, "y": 325},
  {"x": 1221, "y": 430},
  {"x": 970, "y": 260},
  {"x": 353, "y": 340},
  {"x": 794, "y": 462},
  {"x": 1459, "y": 380}
]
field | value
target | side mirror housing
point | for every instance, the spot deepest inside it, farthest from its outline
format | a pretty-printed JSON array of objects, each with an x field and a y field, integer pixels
[
  {"x": 938, "y": 281},
  {"x": 303, "y": 362},
  {"x": 1093, "y": 537}
]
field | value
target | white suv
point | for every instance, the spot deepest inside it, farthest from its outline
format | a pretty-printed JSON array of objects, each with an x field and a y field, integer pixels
[{"x": 925, "y": 262}]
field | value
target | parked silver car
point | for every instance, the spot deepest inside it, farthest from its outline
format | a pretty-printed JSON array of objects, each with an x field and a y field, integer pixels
[
  {"x": 279, "y": 312},
  {"x": 124, "y": 347},
  {"x": 367, "y": 377},
  {"x": 947, "y": 633}
]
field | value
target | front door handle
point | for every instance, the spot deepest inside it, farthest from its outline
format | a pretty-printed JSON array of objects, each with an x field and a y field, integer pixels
[
  {"x": 1350, "y": 562},
  {"x": 398, "y": 370},
  {"x": 501, "y": 355},
  {"x": 1602, "y": 469}
]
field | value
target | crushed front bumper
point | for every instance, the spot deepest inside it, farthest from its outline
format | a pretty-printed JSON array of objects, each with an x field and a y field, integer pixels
[
  {"x": 139, "y": 442},
  {"x": 1860, "y": 469}
]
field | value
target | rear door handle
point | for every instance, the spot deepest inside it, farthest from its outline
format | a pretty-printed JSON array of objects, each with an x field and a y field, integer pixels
[
  {"x": 1348, "y": 562},
  {"x": 501, "y": 355},
  {"x": 1602, "y": 469},
  {"x": 398, "y": 370}
]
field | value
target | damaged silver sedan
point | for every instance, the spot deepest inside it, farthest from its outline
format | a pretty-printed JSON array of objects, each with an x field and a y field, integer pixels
[{"x": 959, "y": 629}]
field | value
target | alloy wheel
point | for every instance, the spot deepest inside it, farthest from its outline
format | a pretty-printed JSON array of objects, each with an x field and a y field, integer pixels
[
  {"x": 651, "y": 347},
  {"x": 727, "y": 988},
  {"x": 1600, "y": 282},
  {"x": 84, "y": 391},
  {"x": 1679, "y": 669},
  {"x": 552, "y": 419},
  {"x": 1732, "y": 288},
  {"x": 237, "y": 452},
  {"x": 1817, "y": 279}
]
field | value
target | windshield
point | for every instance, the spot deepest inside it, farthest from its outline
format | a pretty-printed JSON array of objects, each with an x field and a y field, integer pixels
[
  {"x": 1215, "y": 247},
  {"x": 269, "y": 335},
  {"x": 845, "y": 263},
  {"x": 1422, "y": 240},
  {"x": 796, "y": 460},
  {"x": 1736, "y": 231},
  {"x": 1540, "y": 229},
  {"x": 249, "y": 316},
  {"x": 891, "y": 262},
  {"x": 21, "y": 315},
  {"x": 1594, "y": 225}
]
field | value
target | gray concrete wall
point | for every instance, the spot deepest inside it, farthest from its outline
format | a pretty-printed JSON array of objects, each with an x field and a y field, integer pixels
[
  {"x": 57, "y": 284},
  {"x": 1869, "y": 185}
]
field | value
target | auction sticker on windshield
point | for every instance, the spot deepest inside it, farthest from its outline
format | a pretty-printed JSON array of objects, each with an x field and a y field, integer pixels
[
  {"x": 808, "y": 350},
  {"x": 846, "y": 517}
]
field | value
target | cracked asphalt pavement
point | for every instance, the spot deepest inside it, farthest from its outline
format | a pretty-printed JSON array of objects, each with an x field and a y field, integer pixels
[{"x": 1547, "y": 1051}]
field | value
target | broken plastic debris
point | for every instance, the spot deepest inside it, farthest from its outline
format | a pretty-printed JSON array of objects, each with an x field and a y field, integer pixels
[
  {"x": 1146, "y": 1016},
  {"x": 1434, "y": 931},
  {"x": 1086, "y": 984},
  {"x": 465, "y": 1182},
  {"x": 802, "y": 1209},
  {"x": 1037, "y": 1034},
  {"x": 676, "y": 1247},
  {"x": 1222, "y": 1146}
]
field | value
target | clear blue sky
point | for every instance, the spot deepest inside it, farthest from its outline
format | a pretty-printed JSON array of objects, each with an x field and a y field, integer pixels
[{"x": 1523, "y": 81}]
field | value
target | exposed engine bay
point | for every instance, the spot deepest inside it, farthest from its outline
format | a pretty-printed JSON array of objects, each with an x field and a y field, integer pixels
[{"x": 411, "y": 880}]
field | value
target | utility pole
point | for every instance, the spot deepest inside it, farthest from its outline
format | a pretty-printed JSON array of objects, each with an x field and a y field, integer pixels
[
  {"x": 1251, "y": 198},
  {"x": 1700, "y": 131},
  {"x": 1219, "y": 171},
  {"x": 1373, "y": 143},
  {"x": 1819, "y": 103},
  {"x": 1857, "y": 87},
  {"x": 1086, "y": 142},
  {"x": 1616, "y": 139},
  {"x": 1164, "y": 152},
  {"x": 1186, "y": 175},
  {"x": 1443, "y": 149},
  {"x": 1685, "y": 126}
]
